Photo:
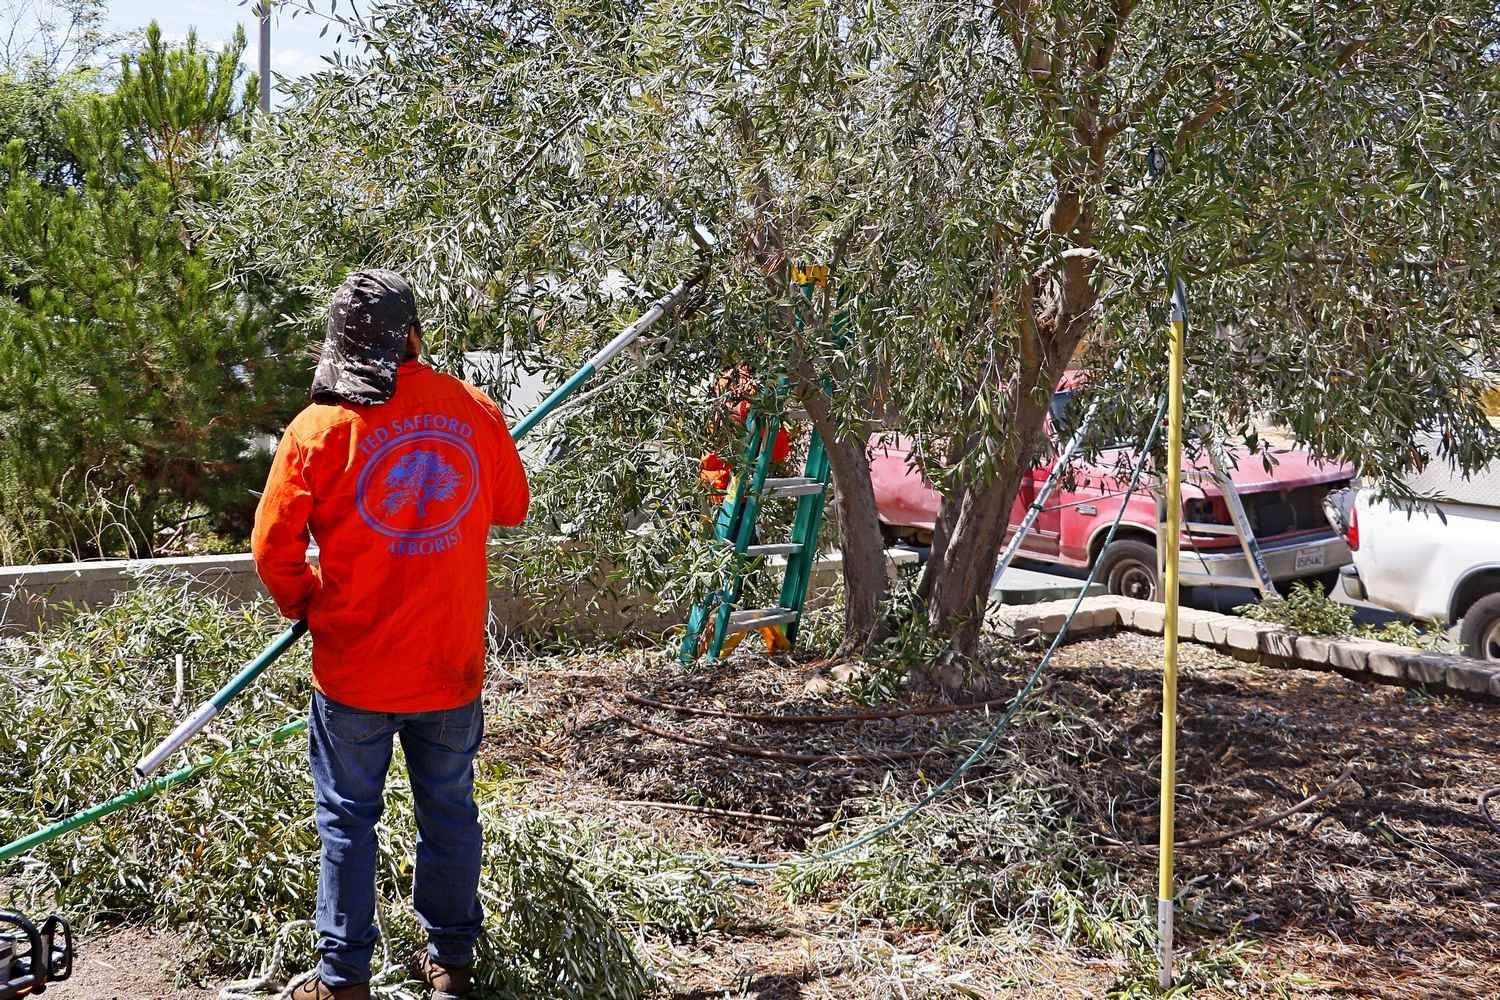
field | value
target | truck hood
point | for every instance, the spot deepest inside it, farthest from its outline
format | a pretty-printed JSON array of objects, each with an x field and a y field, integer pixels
[{"x": 1292, "y": 469}]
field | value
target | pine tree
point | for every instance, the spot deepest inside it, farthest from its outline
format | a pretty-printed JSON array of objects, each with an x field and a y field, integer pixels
[{"x": 134, "y": 379}]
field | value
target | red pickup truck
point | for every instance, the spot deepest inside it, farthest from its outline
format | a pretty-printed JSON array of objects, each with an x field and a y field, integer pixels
[{"x": 1285, "y": 507}]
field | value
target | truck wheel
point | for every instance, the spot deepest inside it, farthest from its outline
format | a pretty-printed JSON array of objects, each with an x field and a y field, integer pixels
[
  {"x": 1127, "y": 568},
  {"x": 1480, "y": 632}
]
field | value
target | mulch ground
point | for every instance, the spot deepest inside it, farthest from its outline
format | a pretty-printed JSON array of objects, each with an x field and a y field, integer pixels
[{"x": 1388, "y": 887}]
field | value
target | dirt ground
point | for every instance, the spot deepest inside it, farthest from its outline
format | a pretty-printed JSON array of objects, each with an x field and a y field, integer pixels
[
  {"x": 127, "y": 963},
  {"x": 1387, "y": 888}
]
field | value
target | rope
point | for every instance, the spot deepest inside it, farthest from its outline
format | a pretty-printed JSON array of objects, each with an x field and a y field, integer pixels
[
  {"x": 983, "y": 749},
  {"x": 268, "y": 981}
]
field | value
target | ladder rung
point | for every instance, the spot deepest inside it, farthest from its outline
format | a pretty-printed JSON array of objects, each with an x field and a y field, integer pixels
[
  {"x": 776, "y": 549},
  {"x": 1205, "y": 580},
  {"x": 793, "y": 486},
  {"x": 760, "y": 618},
  {"x": 1211, "y": 529}
]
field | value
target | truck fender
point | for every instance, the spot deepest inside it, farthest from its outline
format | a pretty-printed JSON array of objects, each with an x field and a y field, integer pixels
[
  {"x": 1477, "y": 581},
  {"x": 1127, "y": 529}
]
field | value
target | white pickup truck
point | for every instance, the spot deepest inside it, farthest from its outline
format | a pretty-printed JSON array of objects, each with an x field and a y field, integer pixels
[{"x": 1439, "y": 562}]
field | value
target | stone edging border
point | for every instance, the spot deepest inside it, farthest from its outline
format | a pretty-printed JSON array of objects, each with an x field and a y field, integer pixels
[{"x": 1244, "y": 639}]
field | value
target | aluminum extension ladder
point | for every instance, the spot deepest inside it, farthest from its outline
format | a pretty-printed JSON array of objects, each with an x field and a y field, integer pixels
[{"x": 1239, "y": 528}]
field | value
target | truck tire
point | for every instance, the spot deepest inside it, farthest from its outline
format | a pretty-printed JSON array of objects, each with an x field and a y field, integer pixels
[
  {"x": 1480, "y": 631},
  {"x": 1127, "y": 568}
]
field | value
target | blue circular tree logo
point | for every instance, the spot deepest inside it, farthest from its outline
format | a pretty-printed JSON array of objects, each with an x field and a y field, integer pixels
[{"x": 418, "y": 484}]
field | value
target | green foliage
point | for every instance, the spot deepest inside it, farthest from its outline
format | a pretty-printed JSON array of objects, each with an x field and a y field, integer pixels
[
  {"x": 1305, "y": 609},
  {"x": 86, "y": 699},
  {"x": 129, "y": 369},
  {"x": 1426, "y": 635},
  {"x": 1007, "y": 855},
  {"x": 231, "y": 858},
  {"x": 1216, "y": 970},
  {"x": 32, "y": 108},
  {"x": 1308, "y": 610},
  {"x": 976, "y": 181}
]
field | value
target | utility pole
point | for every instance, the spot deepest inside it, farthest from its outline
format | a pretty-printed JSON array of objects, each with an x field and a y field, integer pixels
[{"x": 264, "y": 10}]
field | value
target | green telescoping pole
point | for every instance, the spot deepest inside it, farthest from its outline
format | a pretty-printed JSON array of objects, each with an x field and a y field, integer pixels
[
  {"x": 247, "y": 675},
  {"x": 140, "y": 793},
  {"x": 148, "y": 764}
]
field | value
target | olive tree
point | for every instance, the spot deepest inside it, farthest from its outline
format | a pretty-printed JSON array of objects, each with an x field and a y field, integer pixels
[{"x": 973, "y": 176}]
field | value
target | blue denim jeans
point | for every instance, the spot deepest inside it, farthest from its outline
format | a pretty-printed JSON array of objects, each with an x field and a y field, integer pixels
[{"x": 350, "y": 751}]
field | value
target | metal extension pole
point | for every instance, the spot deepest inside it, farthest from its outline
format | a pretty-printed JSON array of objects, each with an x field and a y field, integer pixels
[
  {"x": 264, "y": 10},
  {"x": 626, "y": 337},
  {"x": 190, "y": 726},
  {"x": 1164, "y": 890}
]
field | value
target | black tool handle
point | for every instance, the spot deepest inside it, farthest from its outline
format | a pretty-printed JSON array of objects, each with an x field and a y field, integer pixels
[
  {"x": 59, "y": 960},
  {"x": 31, "y": 980}
]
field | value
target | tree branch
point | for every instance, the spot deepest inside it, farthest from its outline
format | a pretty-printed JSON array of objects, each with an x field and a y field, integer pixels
[
  {"x": 1223, "y": 94},
  {"x": 1345, "y": 55}
]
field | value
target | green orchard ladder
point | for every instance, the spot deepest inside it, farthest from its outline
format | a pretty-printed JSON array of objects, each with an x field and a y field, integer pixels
[{"x": 718, "y": 615}]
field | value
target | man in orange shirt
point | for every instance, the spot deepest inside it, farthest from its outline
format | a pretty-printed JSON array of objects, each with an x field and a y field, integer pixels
[{"x": 398, "y": 472}]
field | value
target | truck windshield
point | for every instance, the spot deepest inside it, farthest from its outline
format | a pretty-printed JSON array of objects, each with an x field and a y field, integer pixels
[{"x": 1067, "y": 412}]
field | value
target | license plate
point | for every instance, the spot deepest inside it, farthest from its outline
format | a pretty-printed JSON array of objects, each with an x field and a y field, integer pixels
[{"x": 1310, "y": 559}]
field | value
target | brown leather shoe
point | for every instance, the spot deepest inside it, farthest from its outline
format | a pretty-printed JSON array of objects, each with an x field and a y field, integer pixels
[
  {"x": 313, "y": 989},
  {"x": 448, "y": 982}
]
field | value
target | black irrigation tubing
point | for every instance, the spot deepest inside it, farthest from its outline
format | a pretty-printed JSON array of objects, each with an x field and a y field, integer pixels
[
  {"x": 1484, "y": 809},
  {"x": 1000, "y": 726},
  {"x": 815, "y": 720}
]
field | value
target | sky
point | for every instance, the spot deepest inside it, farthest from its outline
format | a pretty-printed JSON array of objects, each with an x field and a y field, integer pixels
[{"x": 295, "y": 45}]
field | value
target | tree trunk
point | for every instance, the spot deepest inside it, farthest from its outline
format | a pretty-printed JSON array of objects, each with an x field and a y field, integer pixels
[
  {"x": 865, "y": 577},
  {"x": 937, "y": 552},
  {"x": 960, "y": 586}
]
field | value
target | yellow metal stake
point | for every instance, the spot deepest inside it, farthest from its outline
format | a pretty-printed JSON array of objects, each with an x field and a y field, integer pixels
[{"x": 1164, "y": 892}]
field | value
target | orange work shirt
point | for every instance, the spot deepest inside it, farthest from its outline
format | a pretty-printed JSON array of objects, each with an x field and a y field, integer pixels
[
  {"x": 399, "y": 498},
  {"x": 713, "y": 469}
]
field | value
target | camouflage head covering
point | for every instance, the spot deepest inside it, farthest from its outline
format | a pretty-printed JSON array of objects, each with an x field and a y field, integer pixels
[{"x": 368, "y": 318}]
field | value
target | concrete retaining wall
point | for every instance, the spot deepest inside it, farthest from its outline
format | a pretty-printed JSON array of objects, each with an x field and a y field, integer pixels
[
  {"x": 1362, "y": 659},
  {"x": 33, "y": 595}
]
